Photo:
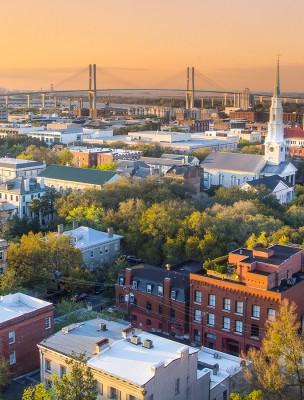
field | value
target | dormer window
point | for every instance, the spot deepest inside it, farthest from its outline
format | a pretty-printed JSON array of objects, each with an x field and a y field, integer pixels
[
  {"x": 134, "y": 285},
  {"x": 121, "y": 281},
  {"x": 149, "y": 288},
  {"x": 160, "y": 290},
  {"x": 173, "y": 294}
]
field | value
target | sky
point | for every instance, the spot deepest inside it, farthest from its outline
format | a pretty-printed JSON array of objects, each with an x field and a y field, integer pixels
[{"x": 144, "y": 43}]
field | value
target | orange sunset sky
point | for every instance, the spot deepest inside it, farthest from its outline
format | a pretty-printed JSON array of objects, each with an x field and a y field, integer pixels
[{"x": 143, "y": 43}]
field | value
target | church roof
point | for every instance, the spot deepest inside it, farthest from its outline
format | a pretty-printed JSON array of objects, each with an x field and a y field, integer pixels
[
  {"x": 271, "y": 182},
  {"x": 234, "y": 162},
  {"x": 275, "y": 169}
]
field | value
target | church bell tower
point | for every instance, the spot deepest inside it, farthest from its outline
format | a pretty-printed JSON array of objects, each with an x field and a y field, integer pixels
[{"x": 275, "y": 143}]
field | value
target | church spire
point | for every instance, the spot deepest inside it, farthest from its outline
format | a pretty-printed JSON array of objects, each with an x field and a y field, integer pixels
[{"x": 277, "y": 92}]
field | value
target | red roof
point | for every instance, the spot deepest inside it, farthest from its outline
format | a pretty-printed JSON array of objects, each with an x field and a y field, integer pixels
[{"x": 295, "y": 132}]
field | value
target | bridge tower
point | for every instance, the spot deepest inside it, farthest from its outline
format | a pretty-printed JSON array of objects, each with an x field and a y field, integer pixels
[{"x": 190, "y": 93}]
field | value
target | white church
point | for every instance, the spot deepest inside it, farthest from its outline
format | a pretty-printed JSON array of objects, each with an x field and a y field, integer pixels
[{"x": 229, "y": 169}]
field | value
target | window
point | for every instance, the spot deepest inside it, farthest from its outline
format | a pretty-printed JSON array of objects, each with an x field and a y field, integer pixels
[
  {"x": 121, "y": 299},
  {"x": 197, "y": 336},
  {"x": 255, "y": 331},
  {"x": 148, "y": 322},
  {"x": 92, "y": 254},
  {"x": 210, "y": 319},
  {"x": 12, "y": 357},
  {"x": 160, "y": 290},
  {"x": 48, "y": 384},
  {"x": 255, "y": 311},
  {"x": 160, "y": 309},
  {"x": 101, "y": 252},
  {"x": 160, "y": 327},
  {"x": 1, "y": 255},
  {"x": 113, "y": 393},
  {"x": 172, "y": 313},
  {"x": 149, "y": 306},
  {"x": 211, "y": 300},
  {"x": 48, "y": 366},
  {"x": 226, "y": 304},
  {"x": 210, "y": 336},
  {"x": 173, "y": 294},
  {"x": 177, "y": 386},
  {"x": 198, "y": 297},
  {"x": 11, "y": 337},
  {"x": 239, "y": 307},
  {"x": 131, "y": 397},
  {"x": 271, "y": 314},
  {"x": 239, "y": 326},
  {"x": 106, "y": 249},
  {"x": 134, "y": 317},
  {"x": 226, "y": 323},
  {"x": 63, "y": 371},
  {"x": 197, "y": 315},
  {"x": 149, "y": 288},
  {"x": 121, "y": 281},
  {"x": 48, "y": 323}
]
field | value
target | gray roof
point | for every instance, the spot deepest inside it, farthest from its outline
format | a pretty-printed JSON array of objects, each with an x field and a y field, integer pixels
[
  {"x": 276, "y": 169},
  {"x": 161, "y": 161},
  {"x": 234, "y": 162},
  {"x": 181, "y": 157},
  {"x": 83, "y": 337},
  {"x": 129, "y": 164},
  {"x": 18, "y": 163},
  {"x": 81, "y": 175},
  {"x": 16, "y": 186},
  {"x": 271, "y": 182}
]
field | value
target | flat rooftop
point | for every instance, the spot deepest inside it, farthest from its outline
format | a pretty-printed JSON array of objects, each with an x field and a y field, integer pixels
[
  {"x": 87, "y": 237},
  {"x": 18, "y": 163},
  {"x": 17, "y": 304},
  {"x": 122, "y": 358}
]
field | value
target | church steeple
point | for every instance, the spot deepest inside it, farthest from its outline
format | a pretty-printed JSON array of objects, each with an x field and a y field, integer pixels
[
  {"x": 274, "y": 143},
  {"x": 276, "y": 92}
]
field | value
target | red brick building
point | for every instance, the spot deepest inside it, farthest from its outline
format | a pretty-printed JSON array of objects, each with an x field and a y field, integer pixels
[
  {"x": 24, "y": 322},
  {"x": 85, "y": 157},
  {"x": 188, "y": 173},
  {"x": 157, "y": 299},
  {"x": 230, "y": 315}
]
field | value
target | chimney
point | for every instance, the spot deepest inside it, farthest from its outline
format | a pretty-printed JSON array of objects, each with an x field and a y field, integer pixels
[
  {"x": 60, "y": 229},
  {"x": 167, "y": 284},
  {"x": 42, "y": 185},
  {"x": 110, "y": 232},
  {"x": 129, "y": 331},
  {"x": 27, "y": 185},
  {"x": 75, "y": 225},
  {"x": 128, "y": 276},
  {"x": 101, "y": 345},
  {"x": 216, "y": 368},
  {"x": 168, "y": 267}
]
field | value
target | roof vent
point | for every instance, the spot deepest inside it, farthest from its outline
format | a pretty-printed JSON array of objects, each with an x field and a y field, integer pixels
[
  {"x": 216, "y": 368},
  {"x": 148, "y": 344},
  {"x": 216, "y": 355},
  {"x": 127, "y": 332},
  {"x": 135, "y": 339},
  {"x": 102, "y": 345}
]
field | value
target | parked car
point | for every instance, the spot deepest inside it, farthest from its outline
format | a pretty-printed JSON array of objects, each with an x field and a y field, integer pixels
[
  {"x": 134, "y": 259},
  {"x": 79, "y": 297},
  {"x": 98, "y": 290}
]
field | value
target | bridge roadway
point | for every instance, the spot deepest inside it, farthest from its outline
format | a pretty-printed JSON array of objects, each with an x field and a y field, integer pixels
[{"x": 102, "y": 91}]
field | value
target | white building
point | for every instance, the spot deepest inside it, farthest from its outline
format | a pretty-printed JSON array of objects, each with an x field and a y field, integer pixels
[
  {"x": 96, "y": 246},
  {"x": 160, "y": 136},
  {"x": 229, "y": 169},
  {"x": 3, "y": 114},
  {"x": 136, "y": 365},
  {"x": 7, "y": 130},
  {"x": 18, "y": 194},
  {"x": 11, "y": 168}
]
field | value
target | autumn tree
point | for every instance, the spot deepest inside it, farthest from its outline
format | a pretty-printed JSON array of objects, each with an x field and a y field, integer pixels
[
  {"x": 5, "y": 374},
  {"x": 277, "y": 368}
]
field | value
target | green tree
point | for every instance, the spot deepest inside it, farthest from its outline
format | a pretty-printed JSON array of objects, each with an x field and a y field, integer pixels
[
  {"x": 78, "y": 383},
  {"x": 38, "y": 392},
  {"x": 5, "y": 374},
  {"x": 64, "y": 157},
  {"x": 107, "y": 166}
]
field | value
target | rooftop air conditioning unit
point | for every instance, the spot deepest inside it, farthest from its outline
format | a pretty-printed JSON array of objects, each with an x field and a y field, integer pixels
[
  {"x": 135, "y": 339},
  {"x": 148, "y": 344},
  {"x": 216, "y": 355}
]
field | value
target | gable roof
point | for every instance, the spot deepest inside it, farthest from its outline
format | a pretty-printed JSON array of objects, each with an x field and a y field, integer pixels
[
  {"x": 81, "y": 175},
  {"x": 271, "y": 182},
  {"x": 234, "y": 162},
  {"x": 277, "y": 169}
]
